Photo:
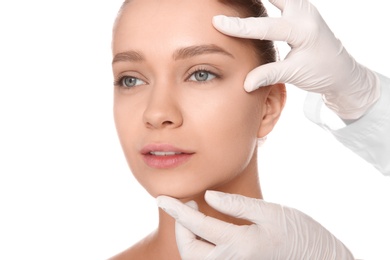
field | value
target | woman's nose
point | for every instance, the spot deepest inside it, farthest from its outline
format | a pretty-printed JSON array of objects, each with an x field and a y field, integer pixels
[{"x": 162, "y": 110}]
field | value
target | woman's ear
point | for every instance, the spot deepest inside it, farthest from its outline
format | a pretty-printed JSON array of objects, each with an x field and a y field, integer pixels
[{"x": 272, "y": 108}]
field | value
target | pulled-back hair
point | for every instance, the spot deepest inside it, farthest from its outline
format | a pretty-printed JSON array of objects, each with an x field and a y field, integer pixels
[{"x": 264, "y": 49}]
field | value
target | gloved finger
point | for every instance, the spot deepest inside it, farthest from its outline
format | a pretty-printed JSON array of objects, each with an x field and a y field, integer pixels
[
  {"x": 190, "y": 247},
  {"x": 280, "y": 4},
  {"x": 239, "y": 206},
  {"x": 192, "y": 204},
  {"x": 293, "y": 4},
  {"x": 208, "y": 228},
  {"x": 269, "y": 74},
  {"x": 263, "y": 28}
]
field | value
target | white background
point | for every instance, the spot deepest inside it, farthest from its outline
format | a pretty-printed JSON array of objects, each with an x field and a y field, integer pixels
[{"x": 65, "y": 189}]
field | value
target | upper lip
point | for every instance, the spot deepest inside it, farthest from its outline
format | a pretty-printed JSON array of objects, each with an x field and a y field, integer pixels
[{"x": 147, "y": 149}]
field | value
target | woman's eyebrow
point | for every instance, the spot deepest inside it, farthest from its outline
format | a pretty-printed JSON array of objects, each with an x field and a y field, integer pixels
[
  {"x": 191, "y": 51},
  {"x": 128, "y": 56},
  {"x": 182, "y": 53}
]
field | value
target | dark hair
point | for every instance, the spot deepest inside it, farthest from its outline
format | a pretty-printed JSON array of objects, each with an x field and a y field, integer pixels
[{"x": 265, "y": 49}]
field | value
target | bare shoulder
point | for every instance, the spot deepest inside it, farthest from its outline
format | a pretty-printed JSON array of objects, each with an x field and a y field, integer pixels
[
  {"x": 136, "y": 251},
  {"x": 133, "y": 252}
]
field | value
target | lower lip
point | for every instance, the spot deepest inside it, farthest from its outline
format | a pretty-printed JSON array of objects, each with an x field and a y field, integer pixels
[{"x": 166, "y": 162}]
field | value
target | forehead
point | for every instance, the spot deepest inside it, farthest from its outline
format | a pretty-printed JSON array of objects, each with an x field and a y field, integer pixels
[
  {"x": 174, "y": 10},
  {"x": 162, "y": 24}
]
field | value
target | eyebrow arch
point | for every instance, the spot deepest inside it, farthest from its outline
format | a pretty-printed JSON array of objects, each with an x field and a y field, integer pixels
[
  {"x": 191, "y": 51},
  {"x": 128, "y": 56},
  {"x": 183, "y": 53}
]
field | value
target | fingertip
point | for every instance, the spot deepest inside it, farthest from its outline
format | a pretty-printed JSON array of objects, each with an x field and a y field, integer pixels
[
  {"x": 212, "y": 197},
  {"x": 218, "y": 18},
  {"x": 213, "y": 194},
  {"x": 163, "y": 200},
  {"x": 160, "y": 200},
  {"x": 192, "y": 204},
  {"x": 219, "y": 200},
  {"x": 170, "y": 205},
  {"x": 256, "y": 79},
  {"x": 250, "y": 86},
  {"x": 221, "y": 23}
]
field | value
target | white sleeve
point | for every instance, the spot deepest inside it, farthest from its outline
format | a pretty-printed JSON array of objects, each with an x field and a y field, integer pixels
[{"x": 369, "y": 136}]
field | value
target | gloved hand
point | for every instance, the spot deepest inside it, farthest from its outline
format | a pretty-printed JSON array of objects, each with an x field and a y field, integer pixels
[
  {"x": 317, "y": 62},
  {"x": 277, "y": 232}
]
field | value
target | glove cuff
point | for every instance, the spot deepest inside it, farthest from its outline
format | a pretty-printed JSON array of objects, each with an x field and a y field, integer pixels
[{"x": 352, "y": 106}]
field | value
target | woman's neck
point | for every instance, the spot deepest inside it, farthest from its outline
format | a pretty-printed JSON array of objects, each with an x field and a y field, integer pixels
[{"x": 246, "y": 184}]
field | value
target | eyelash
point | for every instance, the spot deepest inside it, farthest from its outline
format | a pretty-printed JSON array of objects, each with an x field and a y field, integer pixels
[
  {"x": 191, "y": 73},
  {"x": 119, "y": 81}
]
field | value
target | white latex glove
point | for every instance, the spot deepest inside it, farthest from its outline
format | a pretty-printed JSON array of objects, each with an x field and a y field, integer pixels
[
  {"x": 277, "y": 232},
  {"x": 317, "y": 62}
]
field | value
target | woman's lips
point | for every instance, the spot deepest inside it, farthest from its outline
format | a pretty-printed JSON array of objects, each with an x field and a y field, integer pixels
[
  {"x": 164, "y": 156},
  {"x": 166, "y": 161}
]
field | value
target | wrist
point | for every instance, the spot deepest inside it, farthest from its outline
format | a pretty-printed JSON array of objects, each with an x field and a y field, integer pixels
[{"x": 354, "y": 103}]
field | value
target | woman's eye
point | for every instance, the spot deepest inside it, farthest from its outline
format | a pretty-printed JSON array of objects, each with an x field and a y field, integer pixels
[
  {"x": 202, "y": 75},
  {"x": 129, "y": 82}
]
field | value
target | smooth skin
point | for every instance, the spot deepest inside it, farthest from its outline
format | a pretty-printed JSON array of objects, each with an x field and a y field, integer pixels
[
  {"x": 179, "y": 83},
  {"x": 317, "y": 62}
]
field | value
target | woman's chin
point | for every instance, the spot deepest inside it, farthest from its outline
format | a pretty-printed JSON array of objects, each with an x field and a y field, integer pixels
[{"x": 181, "y": 193}]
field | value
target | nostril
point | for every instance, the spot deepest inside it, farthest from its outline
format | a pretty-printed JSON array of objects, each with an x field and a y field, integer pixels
[
  {"x": 161, "y": 124},
  {"x": 167, "y": 123},
  {"x": 161, "y": 114}
]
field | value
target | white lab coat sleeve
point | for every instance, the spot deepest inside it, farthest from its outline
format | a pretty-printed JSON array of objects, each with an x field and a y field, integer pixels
[{"x": 369, "y": 136}]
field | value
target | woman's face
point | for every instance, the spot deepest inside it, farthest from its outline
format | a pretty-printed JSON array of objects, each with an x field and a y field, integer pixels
[{"x": 183, "y": 118}]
